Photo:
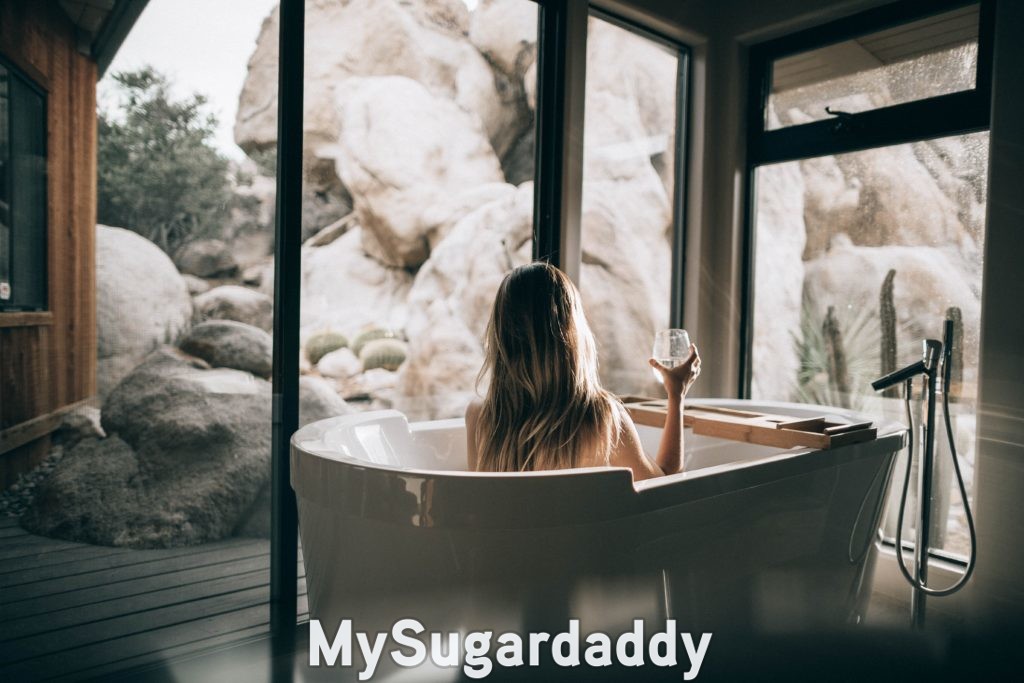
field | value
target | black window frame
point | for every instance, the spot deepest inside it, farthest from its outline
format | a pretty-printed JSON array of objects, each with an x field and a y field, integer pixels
[
  {"x": 43, "y": 303},
  {"x": 550, "y": 125},
  {"x": 957, "y": 113}
]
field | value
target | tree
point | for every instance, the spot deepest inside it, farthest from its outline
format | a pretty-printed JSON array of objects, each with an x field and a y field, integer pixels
[{"x": 158, "y": 172}]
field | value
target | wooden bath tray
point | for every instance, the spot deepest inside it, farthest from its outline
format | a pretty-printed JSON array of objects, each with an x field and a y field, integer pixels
[{"x": 765, "y": 429}]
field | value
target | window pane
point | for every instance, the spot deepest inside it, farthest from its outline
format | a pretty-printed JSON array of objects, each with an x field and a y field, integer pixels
[
  {"x": 933, "y": 56},
  {"x": 28, "y": 197},
  {"x": 5, "y": 199},
  {"x": 629, "y": 145},
  {"x": 418, "y": 191},
  {"x": 828, "y": 233}
]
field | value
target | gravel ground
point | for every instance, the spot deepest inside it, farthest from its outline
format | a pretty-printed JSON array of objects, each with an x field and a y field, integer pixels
[{"x": 15, "y": 500}]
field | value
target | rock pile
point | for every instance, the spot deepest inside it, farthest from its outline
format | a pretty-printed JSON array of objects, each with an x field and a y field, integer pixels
[{"x": 185, "y": 458}]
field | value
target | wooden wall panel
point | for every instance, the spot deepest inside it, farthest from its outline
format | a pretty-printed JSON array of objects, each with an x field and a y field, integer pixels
[{"x": 47, "y": 365}]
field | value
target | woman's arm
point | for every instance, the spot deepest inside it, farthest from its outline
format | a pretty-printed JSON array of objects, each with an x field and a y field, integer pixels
[{"x": 677, "y": 380}]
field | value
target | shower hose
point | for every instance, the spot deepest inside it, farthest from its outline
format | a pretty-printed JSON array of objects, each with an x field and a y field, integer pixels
[{"x": 916, "y": 582}]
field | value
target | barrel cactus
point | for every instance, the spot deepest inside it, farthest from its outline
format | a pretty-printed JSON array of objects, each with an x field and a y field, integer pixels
[
  {"x": 386, "y": 353},
  {"x": 322, "y": 343},
  {"x": 368, "y": 335}
]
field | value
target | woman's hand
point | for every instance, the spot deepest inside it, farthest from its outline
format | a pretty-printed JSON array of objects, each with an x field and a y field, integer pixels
[{"x": 678, "y": 379}]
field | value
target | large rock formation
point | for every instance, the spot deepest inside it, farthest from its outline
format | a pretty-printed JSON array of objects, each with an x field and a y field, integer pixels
[
  {"x": 344, "y": 289},
  {"x": 401, "y": 149},
  {"x": 928, "y": 281},
  {"x": 424, "y": 40},
  {"x": 141, "y": 302},
  {"x": 450, "y": 302},
  {"x": 186, "y": 456}
]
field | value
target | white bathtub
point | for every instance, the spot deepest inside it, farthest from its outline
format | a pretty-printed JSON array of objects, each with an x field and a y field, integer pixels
[{"x": 747, "y": 536}]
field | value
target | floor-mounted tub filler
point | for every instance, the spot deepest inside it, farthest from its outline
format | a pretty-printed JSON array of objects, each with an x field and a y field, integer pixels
[{"x": 747, "y": 536}]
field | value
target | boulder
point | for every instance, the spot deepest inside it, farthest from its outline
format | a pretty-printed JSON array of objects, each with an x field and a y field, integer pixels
[
  {"x": 344, "y": 289},
  {"x": 196, "y": 285},
  {"x": 424, "y": 40},
  {"x": 864, "y": 195},
  {"x": 505, "y": 32},
  {"x": 230, "y": 344},
  {"x": 231, "y": 302},
  {"x": 341, "y": 363},
  {"x": 451, "y": 300},
  {"x": 630, "y": 104},
  {"x": 778, "y": 281},
  {"x": 206, "y": 258},
  {"x": 187, "y": 456},
  {"x": 928, "y": 281},
  {"x": 141, "y": 302},
  {"x": 78, "y": 424},
  {"x": 402, "y": 148}
]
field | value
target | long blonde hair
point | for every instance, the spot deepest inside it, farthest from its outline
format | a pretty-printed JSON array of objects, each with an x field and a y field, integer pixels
[{"x": 544, "y": 407}]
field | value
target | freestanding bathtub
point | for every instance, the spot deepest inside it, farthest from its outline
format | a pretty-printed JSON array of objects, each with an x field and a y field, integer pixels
[{"x": 747, "y": 536}]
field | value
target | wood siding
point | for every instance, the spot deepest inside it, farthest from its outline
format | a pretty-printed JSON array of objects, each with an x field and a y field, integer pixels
[{"x": 49, "y": 362}]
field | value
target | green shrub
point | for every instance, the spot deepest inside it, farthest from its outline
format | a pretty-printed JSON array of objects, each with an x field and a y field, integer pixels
[{"x": 158, "y": 172}]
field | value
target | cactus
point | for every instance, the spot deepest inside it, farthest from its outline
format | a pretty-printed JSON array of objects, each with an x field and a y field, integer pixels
[
  {"x": 836, "y": 356},
  {"x": 322, "y": 343},
  {"x": 369, "y": 335},
  {"x": 887, "y": 314},
  {"x": 955, "y": 389},
  {"x": 387, "y": 353}
]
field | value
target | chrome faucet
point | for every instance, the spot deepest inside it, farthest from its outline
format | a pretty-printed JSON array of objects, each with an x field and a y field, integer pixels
[{"x": 929, "y": 367}]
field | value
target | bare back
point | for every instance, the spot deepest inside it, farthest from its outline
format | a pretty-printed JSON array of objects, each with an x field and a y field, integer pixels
[{"x": 626, "y": 451}]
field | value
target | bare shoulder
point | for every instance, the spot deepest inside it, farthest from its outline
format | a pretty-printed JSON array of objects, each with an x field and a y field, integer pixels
[
  {"x": 472, "y": 413},
  {"x": 473, "y": 410}
]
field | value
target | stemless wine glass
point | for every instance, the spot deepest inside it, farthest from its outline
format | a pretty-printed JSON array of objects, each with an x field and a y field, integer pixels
[{"x": 671, "y": 348}]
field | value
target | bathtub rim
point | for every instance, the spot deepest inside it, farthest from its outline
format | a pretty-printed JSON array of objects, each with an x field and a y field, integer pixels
[
  {"x": 888, "y": 431},
  {"x": 317, "y": 479}
]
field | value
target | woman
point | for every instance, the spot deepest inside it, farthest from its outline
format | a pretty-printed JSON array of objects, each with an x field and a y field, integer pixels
[{"x": 544, "y": 407}]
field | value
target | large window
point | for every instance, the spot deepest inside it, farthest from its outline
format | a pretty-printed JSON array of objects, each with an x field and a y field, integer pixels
[
  {"x": 868, "y": 223},
  {"x": 22, "y": 193},
  {"x": 630, "y": 223},
  {"x": 423, "y": 148}
]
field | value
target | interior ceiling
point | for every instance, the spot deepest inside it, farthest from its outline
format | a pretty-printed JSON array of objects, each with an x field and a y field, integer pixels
[{"x": 931, "y": 34}]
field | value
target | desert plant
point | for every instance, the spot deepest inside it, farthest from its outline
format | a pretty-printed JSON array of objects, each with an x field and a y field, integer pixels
[
  {"x": 387, "y": 353},
  {"x": 369, "y": 334},
  {"x": 887, "y": 319},
  {"x": 831, "y": 373},
  {"x": 322, "y": 343}
]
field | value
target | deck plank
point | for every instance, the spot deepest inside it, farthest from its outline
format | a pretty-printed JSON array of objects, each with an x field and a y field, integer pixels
[
  {"x": 13, "y": 629},
  {"x": 145, "y": 563},
  {"x": 195, "y": 632},
  {"x": 83, "y": 611},
  {"x": 12, "y": 531},
  {"x": 119, "y": 590},
  {"x": 40, "y": 564},
  {"x": 32, "y": 545}
]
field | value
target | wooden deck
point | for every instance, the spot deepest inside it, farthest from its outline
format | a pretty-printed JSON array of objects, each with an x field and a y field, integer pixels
[{"x": 70, "y": 611}]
